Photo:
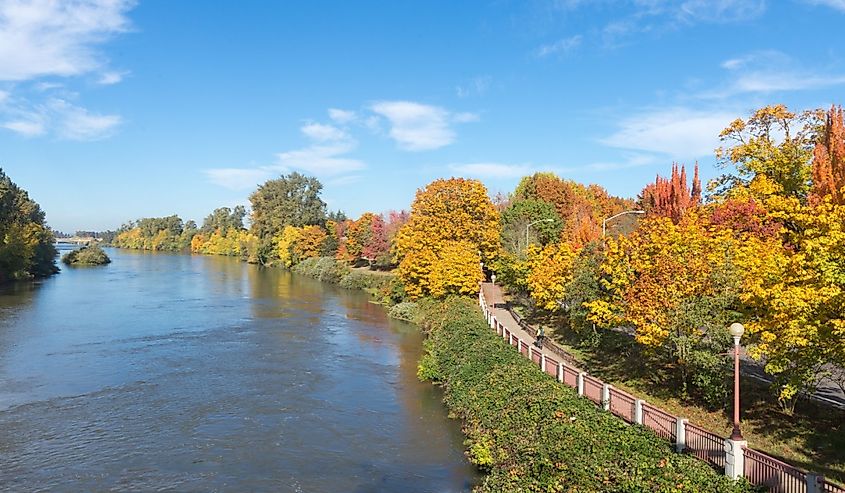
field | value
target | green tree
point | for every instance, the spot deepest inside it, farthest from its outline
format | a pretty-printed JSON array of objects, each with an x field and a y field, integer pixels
[
  {"x": 516, "y": 235},
  {"x": 292, "y": 200}
]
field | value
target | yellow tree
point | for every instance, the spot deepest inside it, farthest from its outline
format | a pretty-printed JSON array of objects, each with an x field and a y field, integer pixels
[
  {"x": 285, "y": 242},
  {"x": 550, "y": 270},
  {"x": 310, "y": 243},
  {"x": 453, "y": 226}
]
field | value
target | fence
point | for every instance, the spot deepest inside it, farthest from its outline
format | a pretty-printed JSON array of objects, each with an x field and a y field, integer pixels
[{"x": 759, "y": 468}]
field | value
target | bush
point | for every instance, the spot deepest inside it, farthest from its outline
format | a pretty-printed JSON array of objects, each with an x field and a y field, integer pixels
[
  {"x": 534, "y": 434},
  {"x": 87, "y": 255},
  {"x": 407, "y": 311},
  {"x": 324, "y": 269}
]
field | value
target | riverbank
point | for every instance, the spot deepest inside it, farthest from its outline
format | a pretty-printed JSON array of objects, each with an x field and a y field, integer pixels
[{"x": 532, "y": 434}]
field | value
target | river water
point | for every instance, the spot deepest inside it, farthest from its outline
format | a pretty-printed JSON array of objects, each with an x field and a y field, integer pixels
[{"x": 199, "y": 373}]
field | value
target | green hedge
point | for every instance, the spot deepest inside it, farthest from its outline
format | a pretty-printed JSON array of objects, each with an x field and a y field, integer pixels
[
  {"x": 530, "y": 433},
  {"x": 328, "y": 269}
]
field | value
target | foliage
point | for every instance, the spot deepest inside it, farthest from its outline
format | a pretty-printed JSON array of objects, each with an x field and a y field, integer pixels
[
  {"x": 453, "y": 226},
  {"x": 285, "y": 243},
  {"x": 235, "y": 243},
  {"x": 224, "y": 219},
  {"x": 87, "y": 255},
  {"x": 168, "y": 234},
  {"x": 533, "y": 434},
  {"x": 773, "y": 145},
  {"x": 407, "y": 311},
  {"x": 292, "y": 200},
  {"x": 550, "y": 271},
  {"x": 584, "y": 287},
  {"x": 26, "y": 242},
  {"x": 325, "y": 269},
  {"x": 829, "y": 159},
  {"x": 671, "y": 197},
  {"x": 545, "y": 223}
]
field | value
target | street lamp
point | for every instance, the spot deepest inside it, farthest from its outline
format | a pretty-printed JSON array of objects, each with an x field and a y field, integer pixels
[
  {"x": 547, "y": 220},
  {"x": 604, "y": 223},
  {"x": 736, "y": 329}
]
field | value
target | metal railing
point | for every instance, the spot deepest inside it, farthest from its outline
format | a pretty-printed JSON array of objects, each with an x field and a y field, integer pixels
[
  {"x": 705, "y": 445},
  {"x": 779, "y": 477},
  {"x": 661, "y": 422},
  {"x": 622, "y": 404}
]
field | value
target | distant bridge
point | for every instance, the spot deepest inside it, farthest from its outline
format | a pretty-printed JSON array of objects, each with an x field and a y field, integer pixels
[{"x": 77, "y": 240}]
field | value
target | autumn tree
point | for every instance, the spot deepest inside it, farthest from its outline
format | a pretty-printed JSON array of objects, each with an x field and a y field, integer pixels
[
  {"x": 292, "y": 200},
  {"x": 453, "y": 226},
  {"x": 772, "y": 147},
  {"x": 829, "y": 159},
  {"x": 26, "y": 242},
  {"x": 377, "y": 248},
  {"x": 550, "y": 270},
  {"x": 545, "y": 225},
  {"x": 671, "y": 197}
]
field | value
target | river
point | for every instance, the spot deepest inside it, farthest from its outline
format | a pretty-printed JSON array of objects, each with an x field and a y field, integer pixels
[{"x": 199, "y": 373}]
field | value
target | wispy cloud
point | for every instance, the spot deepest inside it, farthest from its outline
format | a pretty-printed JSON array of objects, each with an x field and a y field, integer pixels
[
  {"x": 769, "y": 71},
  {"x": 420, "y": 127},
  {"x": 560, "y": 47},
  {"x": 834, "y": 4},
  {"x": 678, "y": 132},
  {"x": 322, "y": 160},
  {"x": 323, "y": 133},
  {"x": 111, "y": 78},
  {"x": 46, "y": 37},
  {"x": 66, "y": 120},
  {"x": 238, "y": 178},
  {"x": 477, "y": 86},
  {"x": 342, "y": 117},
  {"x": 492, "y": 170}
]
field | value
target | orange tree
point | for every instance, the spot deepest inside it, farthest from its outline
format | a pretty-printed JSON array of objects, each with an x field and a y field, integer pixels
[{"x": 453, "y": 227}]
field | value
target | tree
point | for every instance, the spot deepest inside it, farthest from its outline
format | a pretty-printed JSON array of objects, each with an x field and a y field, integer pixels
[
  {"x": 310, "y": 244},
  {"x": 829, "y": 159},
  {"x": 224, "y": 219},
  {"x": 774, "y": 146},
  {"x": 516, "y": 235},
  {"x": 26, "y": 242},
  {"x": 292, "y": 200},
  {"x": 671, "y": 197},
  {"x": 453, "y": 226},
  {"x": 550, "y": 272},
  {"x": 377, "y": 247}
]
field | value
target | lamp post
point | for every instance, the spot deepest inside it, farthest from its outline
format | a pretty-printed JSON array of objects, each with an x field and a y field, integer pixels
[
  {"x": 736, "y": 329},
  {"x": 604, "y": 223},
  {"x": 547, "y": 220}
]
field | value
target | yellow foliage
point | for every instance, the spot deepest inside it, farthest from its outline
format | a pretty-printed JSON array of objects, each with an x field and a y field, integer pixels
[
  {"x": 550, "y": 269},
  {"x": 453, "y": 226},
  {"x": 285, "y": 242}
]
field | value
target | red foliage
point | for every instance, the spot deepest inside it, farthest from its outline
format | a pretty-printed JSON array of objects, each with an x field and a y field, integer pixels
[
  {"x": 377, "y": 245},
  {"x": 829, "y": 160},
  {"x": 672, "y": 197},
  {"x": 745, "y": 216}
]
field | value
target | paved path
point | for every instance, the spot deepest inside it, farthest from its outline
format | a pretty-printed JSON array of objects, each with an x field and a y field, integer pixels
[{"x": 827, "y": 392}]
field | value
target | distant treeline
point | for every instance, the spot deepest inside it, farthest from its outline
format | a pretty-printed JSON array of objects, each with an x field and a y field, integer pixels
[{"x": 26, "y": 243}]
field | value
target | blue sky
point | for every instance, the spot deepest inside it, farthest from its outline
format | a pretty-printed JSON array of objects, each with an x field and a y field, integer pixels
[{"x": 112, "y": 110}]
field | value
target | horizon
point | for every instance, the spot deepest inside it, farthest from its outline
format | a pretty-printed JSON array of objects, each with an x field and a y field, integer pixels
[{"x": 126, "y": 111}]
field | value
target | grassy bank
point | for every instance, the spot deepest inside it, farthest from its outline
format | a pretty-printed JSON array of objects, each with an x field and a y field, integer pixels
[
  {"x": 327, "y": 269},
  {"x": 532, "y": 434}
]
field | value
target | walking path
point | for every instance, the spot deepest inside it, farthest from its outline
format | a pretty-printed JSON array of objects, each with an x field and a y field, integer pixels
[{"x": 826, "y": 393}]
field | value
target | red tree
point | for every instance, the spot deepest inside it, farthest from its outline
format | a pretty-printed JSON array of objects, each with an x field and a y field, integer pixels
[
  {"x": 829, "y": 159},
  {"x": 672, "y": 197}
]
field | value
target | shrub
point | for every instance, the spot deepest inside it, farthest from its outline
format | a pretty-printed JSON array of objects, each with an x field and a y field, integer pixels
[
  {"x": 87, "y": 255},
  {"x": 407, "y": 310},
  {"x": 534, "y": 434}
]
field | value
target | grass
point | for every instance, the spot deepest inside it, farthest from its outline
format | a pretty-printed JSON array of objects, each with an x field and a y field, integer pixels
[{"x": 812, "y": 438}]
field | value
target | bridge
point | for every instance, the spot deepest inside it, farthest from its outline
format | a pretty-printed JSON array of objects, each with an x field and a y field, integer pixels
[{"x": 77, "y": 240}]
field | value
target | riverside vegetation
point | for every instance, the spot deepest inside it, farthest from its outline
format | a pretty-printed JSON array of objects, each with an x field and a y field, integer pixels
[
  {"x": 765, "y": 245},
  {"x": 87, "y": 255}
]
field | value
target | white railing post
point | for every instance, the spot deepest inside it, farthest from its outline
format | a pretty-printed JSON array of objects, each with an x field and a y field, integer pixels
[
  {"x": 510, "y": 338},
  {"x": 605, "y": 397},
  {"x": 735, "y": 458},
  {"x": 680, "y": 434},
  {"x": 581, "y": 375},
  {"x": 543, "y": 362},
  {"x": 493, "y": 322},
  {"x": 560, "y": 372},
  {"x": 638, "y": 411}
]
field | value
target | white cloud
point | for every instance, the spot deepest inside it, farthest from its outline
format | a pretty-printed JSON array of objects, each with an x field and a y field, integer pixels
[
  {"x": 27, "y": 128},
  {"x": 76, "y": 123},
  {"x": 492, "y": 170},
  {"x": 477, "y": 86},
  {"x": 48, "y": 37},
  {"x": 721, "y": 11},
  {"x": 629, "y": 161},
  {"x": 110, "y": 78},
  {"x": 4, "y": 95},
  {"x": 560, "y": 47},
  {"x": 770, "y": 71},
  {"x": 322, "y": 160},
  {"x": 420, "y": 127},
  {"x": 323, "y": 133},
  {"x": 341, "y": 116},
  {"x": 237, "y": 178},
  {"x": 680, "y": 133},
  {"x": 834, "y": 4}
]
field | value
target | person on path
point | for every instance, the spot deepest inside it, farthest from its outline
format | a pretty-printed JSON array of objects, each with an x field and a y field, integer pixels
[{"x": 541, "y": 334}]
